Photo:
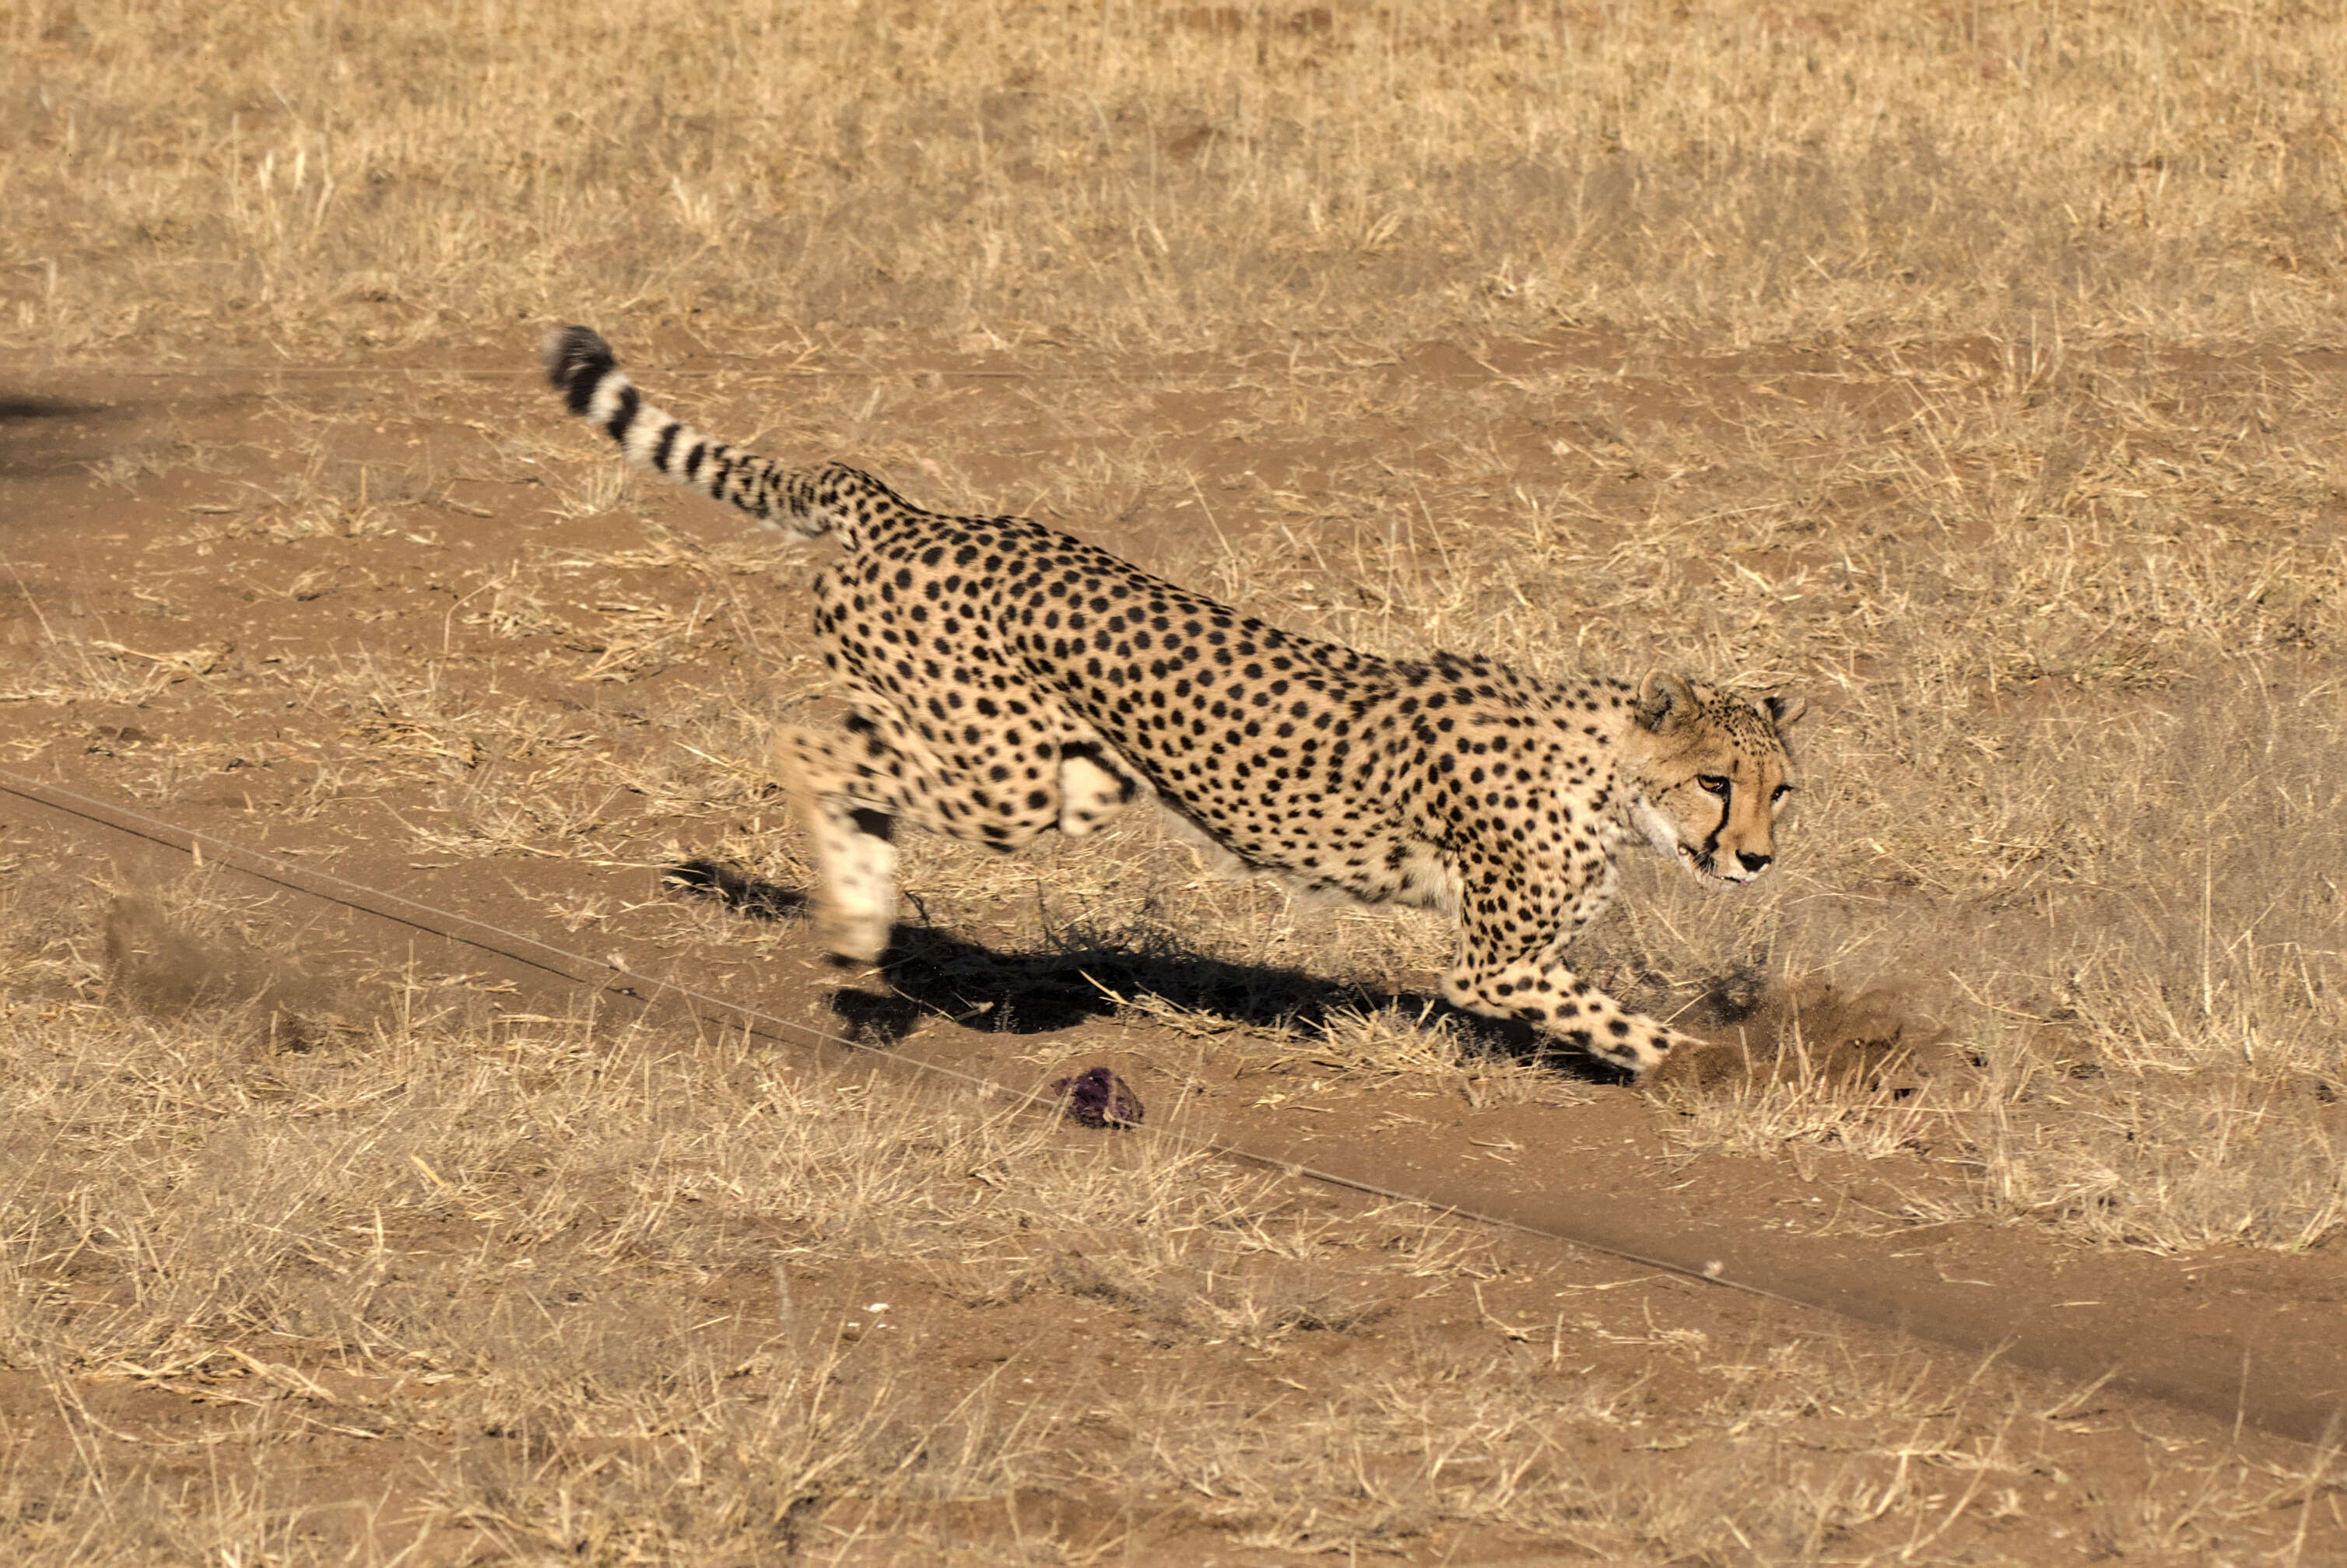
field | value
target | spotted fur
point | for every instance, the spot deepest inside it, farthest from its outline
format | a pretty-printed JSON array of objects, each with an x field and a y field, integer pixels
[{"x": 1007, "y": 680}]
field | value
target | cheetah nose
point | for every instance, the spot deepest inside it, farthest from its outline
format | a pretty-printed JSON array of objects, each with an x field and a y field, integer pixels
[{"x": 1752, "y": 863}]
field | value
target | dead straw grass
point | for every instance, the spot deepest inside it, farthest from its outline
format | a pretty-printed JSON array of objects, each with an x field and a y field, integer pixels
[
  {"x": 1966, "y": 368},
  {"x": 566, "y": 1290},
  {"x": 1144, "y": 176}
]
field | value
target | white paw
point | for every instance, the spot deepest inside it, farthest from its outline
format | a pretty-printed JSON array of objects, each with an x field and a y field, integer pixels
[{"x": 857, "y": 938}]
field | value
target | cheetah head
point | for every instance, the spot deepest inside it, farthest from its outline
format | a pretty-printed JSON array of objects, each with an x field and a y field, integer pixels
[{"x": 1715, "y": 776}]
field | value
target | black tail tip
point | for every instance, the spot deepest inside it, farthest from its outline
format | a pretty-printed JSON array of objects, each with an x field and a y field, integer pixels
[{"x": 575, "y": 358}]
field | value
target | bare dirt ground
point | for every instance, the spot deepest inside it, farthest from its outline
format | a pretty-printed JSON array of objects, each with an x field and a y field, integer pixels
[{"x": 1975, "y": 373}]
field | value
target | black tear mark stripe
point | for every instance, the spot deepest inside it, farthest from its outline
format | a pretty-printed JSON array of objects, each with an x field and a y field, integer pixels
[{"x": 1711, "y": 844}]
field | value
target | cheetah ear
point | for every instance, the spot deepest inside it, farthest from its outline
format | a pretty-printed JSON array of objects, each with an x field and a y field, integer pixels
[
  {"x": 1664, "y": 702},
  {"x": 1784, "y": 712}
]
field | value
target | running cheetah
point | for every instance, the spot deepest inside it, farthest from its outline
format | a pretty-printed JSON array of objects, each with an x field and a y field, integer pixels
[{"x": 1007, "y": 680}]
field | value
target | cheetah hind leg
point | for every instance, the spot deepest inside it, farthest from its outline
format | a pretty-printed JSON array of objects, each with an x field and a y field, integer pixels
[
  {"x": 856, "y": 877},
  {"x": 852, "y": 846},
  {"x": 1089, "y": 791},
  {"x": 1555, "y": 1001}
]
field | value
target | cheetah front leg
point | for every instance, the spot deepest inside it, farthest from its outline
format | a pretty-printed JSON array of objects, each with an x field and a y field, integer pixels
[{"x": 1553, "y": 1000}]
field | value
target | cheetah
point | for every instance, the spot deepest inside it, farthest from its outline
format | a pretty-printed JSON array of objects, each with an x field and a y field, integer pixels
[{"x": 1005, "y": 679}]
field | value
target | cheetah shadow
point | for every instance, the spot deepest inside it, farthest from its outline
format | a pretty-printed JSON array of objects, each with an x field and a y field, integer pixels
[{"x": 1088, "y": 974}]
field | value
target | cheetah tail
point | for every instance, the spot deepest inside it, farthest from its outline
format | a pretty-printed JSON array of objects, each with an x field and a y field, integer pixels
[{"x": 583, "y": 368}]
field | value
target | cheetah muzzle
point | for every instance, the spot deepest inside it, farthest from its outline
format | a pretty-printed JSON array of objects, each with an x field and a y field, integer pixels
[{"x": 1007, "y": 680}]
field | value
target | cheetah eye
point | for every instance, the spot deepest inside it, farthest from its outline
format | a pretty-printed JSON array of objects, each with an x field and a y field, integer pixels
[
  {"x": 1780, "y": 792},
  {"x": 1712, "y": 784}
]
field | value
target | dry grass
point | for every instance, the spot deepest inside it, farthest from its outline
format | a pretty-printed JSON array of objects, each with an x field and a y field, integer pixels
[
  {"x": 2055, "y": 559},
  {"x": 1966, "y": 368},
  {"x": 612, "y": 1294},
  {"x": 1143, "y": 177},
  {"x": 2016, "y": 471}
]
